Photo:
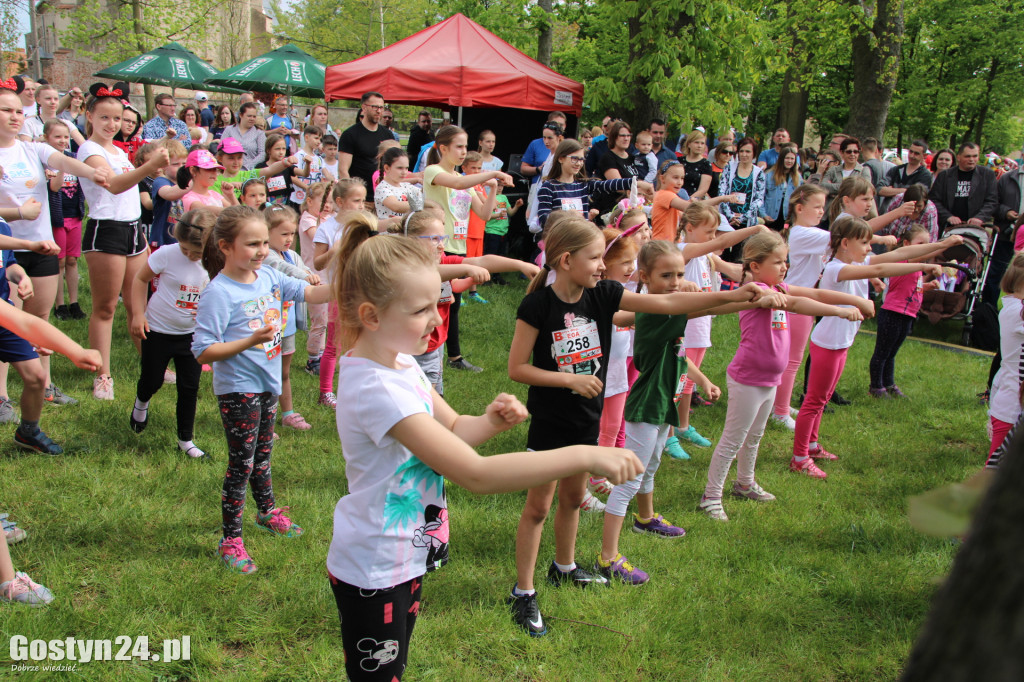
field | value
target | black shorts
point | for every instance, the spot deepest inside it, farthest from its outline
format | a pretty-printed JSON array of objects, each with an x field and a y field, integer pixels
[
  {"x": 36, "y": 264},
  {"x": 13, "y": 348},
  {"x": 114, "y": 237}
]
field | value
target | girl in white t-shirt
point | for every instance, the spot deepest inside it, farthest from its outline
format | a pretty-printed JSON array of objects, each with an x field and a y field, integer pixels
[
  {"x": 315, "y": 209},
  {"x": 393, "y": 197},
  {"x": 485, "y": 145},
  {"x": 165, "y": 325},
  {"x": 848, "y": 272},
  {"x": 349, "y": 196},
  {"x": 754, "y": 372},
  {"x": 24, "y": 204},
  {"x": 113, "y": 240},
  {"x": 201, "y": 170},
  {"x": 400, "y": 440},
  {"x": 1004, "y": 404},
  {"x": 698, "y": 226}
]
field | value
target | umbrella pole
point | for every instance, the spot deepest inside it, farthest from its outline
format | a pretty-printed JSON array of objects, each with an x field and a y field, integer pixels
[{"x": 460, "y": 118}]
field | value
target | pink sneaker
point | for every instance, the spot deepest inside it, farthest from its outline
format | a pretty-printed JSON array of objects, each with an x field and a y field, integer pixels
[
  {"x": 806, "y": 467},
  {"x": 103, "y": 387},
  {"x": 234, "y": 556},
  {"x": 25, "y": 591},
  {"x": 821, "y": 453},
  {"x": 295, "y": 421},
  {"x": 276, "y": 522},
  {"x": 328, "y": 400}
]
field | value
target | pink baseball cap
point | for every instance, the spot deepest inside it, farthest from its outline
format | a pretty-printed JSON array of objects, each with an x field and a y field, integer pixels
[
  {"x": 230, "y": 145},
  {"x": 201, "y": 158}
]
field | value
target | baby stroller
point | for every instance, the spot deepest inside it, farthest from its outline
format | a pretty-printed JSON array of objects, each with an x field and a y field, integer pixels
[{"x": 961, "y": 297}]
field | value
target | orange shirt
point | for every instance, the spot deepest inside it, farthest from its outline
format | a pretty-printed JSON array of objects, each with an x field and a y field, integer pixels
[{"x": 664, "y": 218}]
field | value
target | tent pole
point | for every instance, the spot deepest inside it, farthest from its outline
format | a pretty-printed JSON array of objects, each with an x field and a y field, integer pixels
[{"x": 460, "y": 118}]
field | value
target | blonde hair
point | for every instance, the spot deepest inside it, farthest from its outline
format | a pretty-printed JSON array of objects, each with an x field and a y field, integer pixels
[
  {"x": 1013, "y": 278},
  {"x": 279, "y": 215},
  {"x": 229, "y": 223},
  {"x": 175, "y": 149},
  {"x": 417, "y": 222},
  {"x": 566, "y": 237},
  {"x": 644, "y": 133},
  {"x": 555, "y": 218},
  {"x": 343, "y": 187},
  {"x": 759, "y": 247},
  {"x": 367, "y": 270},
  {"x": 693, "y": 137},
  {"x": 618, "y": 215},
  {"x": 848, "y": 227},
  {"x": 616, "y": 247},
  {"x": 472, "y": 157},
  {"x": 315, "y": 190},
  {"x": 852, "y": 187},
  {"x": 697, "y": 214},
  {"x": 801, "y": 195}
]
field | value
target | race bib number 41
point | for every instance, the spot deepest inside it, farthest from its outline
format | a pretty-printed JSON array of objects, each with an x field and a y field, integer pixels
[{"x": 576, "y": 345}]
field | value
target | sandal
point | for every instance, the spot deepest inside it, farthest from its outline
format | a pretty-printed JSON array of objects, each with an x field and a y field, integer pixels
[{"x": 295, "y": 421}]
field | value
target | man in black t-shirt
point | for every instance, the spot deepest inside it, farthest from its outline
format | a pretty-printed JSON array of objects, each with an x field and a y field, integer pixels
[
  {"x": 913, "y": 172},
  {"x": 357, "y": 148},
  {"x": 420, "y": 135},
  {"x": 965, "y": 193}
]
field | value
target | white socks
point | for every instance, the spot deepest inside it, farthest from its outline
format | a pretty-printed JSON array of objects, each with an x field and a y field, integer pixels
[
  {"x": 190, "y": 449},
  {"x": 140, "y": 410}
]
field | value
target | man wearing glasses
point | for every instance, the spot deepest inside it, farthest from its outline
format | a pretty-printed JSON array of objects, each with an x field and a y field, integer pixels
[
  {"x": 164, "y": 125},
  {"x": 357, "y": 148}
]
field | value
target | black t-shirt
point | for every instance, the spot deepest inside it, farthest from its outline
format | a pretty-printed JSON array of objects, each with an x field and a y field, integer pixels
[
  {"x": 964, "y": 179},
  {"x": 572, "y": 337},
  {"x": 362, "y": 145},
  {"x": 417, "y": 138},
  {"x": 692, "y": 170},
  {"x": 279, "y": 187},
  {"x": 146, "y": 185},
  {"x": 898, "y": 177},
  {"x": 605, "y": 201}
]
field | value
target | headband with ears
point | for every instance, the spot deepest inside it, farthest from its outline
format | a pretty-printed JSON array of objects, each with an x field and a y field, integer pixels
[
  {"x": 15, "y": 84},
  {"x": 118, "y": 90}
]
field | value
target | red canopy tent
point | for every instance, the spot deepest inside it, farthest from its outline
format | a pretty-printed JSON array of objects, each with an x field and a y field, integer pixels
[{"x": 456, "y": 63}]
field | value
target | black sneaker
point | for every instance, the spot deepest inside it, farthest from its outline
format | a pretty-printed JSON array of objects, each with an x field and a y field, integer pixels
[
  {"x": 75, "y": 311},
  {"x": 37, "y": 441},
  {"x": 137, "y": 426},
  {"x": 61, "y": 312},
  {"x": 313, "y": 367},
  {"x": 577, "y": 576},
  {"x": 463, "y": 363},
  {"x": 839, "y": 400},
  {"x": 526, "y": 614}
]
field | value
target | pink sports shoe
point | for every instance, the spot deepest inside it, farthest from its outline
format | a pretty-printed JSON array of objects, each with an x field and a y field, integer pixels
[
  {"x": 821, "y": 453},
  {"x": 295, "y": 421},
  {"x": 806, "y": 467},
  {"x": 277, "y": 523}
]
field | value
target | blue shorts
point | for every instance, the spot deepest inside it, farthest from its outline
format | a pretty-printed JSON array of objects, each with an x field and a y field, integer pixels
[{"x": 13, "y": 348}]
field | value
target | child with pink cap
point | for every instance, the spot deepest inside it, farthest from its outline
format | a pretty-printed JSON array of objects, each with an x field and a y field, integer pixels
[{"x": 201, "y": 169}]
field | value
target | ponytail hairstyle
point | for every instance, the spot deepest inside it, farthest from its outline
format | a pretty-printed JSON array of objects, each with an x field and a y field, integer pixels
[
  {"x": 444, "y": 137},
  {"x": 757, "y": 248},
  {"x": 193, "y": 225},
  {"x": 616, "y": 247},
  {"x": 343, "y": 187},
  {"x": 696, "y": 214},
  {"x": 852, "y": 187},
  {"x": 564, "y": 149},
  {"x": 367, "y": 271},
  {"x": 277, "y": 216},
  {"x": 389, "y": 156},
  {"x": 315, "y": 197},
  {"x": 652, "y": 251},
  {"x": 229, "y": 223},
  {"x": 183, "y": 177},
  {"x": 847, "y": 227},
  {"x": 567, "y": 237},
  {"x": 911, "y": 231},
  {"x": 801, "y": 195},
  {"x": 99, "y": 92}
]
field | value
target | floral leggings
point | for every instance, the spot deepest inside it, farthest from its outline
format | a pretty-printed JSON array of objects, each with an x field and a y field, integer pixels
[{"x": 249, "y": 426}]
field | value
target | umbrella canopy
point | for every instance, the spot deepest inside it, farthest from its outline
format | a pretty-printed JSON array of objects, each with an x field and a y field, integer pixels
[
  {"x": 171, "y": 65},
  {"x": 287, "y": 70}
]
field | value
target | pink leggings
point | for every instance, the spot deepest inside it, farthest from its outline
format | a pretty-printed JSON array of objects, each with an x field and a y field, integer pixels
[
  {"x": 799, "y": 331},
  {"x": 613, "y": 431},
  {"x": 317, "y": 329},
  {"x": 999, "y": 431},
  {"x": 694, "y": 356},
  {"x": 826, "y": 368},
  {"x": 329, "y": 360}
]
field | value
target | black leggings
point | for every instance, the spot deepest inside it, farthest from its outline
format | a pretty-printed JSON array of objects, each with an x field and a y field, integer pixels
[
  {"x": 249, "y": 425},
  {"x": 893, "y": 329},
  {"x": 452, "y": 344},
  {"x": 158, "y": 350},
  {"x": 376, "y": 626}
]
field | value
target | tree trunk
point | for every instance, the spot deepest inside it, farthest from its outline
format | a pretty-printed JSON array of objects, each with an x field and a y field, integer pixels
[
  {"x": 644, "y": 107},
  {"x": 876, "y": 61},
  {"x": 546, "y": 33},
  {"x": 993, "y": 72},
  {"x": 974, "y": 630},
  {"x": 793, "y": 106}
]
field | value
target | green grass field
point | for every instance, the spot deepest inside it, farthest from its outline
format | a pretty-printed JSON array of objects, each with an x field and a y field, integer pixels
[{"x": 827, "y": 583}]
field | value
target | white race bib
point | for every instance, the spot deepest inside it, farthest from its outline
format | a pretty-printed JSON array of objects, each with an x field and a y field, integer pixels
[
  {"x": 576, "y": 345},
  {"x": 188, "y": 298},
  {"x": 779, "y": 320},
  {"x": 573, "y": 204}
]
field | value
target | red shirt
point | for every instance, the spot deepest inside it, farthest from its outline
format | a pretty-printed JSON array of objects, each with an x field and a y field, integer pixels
[{"x": 444, "y": 303}]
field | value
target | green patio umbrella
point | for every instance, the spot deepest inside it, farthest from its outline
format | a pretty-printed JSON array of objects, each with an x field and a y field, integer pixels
[
  {"x": 171, "y": 65},
  {"x": 287, "y": 70}
]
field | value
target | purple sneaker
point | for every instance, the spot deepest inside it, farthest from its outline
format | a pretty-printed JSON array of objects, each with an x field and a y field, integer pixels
[
  {"x": 621, "y": 569},
  {"x": 657, "y": 526},
  {"x": 895, "y": 391}
]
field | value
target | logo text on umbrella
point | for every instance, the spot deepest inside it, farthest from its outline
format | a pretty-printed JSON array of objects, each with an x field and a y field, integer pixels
[
  {"x": 249, "y": 68},
  {"x": 139, "y": 63},
  {"x": 296, "y": 71}
]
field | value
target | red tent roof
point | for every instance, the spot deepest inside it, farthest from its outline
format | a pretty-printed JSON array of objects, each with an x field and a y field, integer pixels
[{"x": 456, "y": 63}]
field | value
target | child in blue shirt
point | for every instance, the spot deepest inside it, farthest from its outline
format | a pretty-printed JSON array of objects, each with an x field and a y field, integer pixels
[{"x": 239, "y": 330}]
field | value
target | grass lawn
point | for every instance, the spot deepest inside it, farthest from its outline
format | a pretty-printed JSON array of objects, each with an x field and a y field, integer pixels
[{"x": 827, "y": 583}]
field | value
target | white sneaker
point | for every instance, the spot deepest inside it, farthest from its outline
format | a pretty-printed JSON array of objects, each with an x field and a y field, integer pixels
[
  {"x": 793, "y": 412},
  {"x": 786, "y": 421},
  {"x": 591, "y": 503},
  {"x": 103, "y": 387}
]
